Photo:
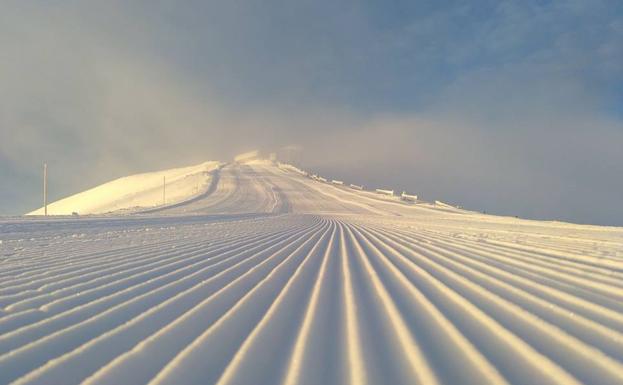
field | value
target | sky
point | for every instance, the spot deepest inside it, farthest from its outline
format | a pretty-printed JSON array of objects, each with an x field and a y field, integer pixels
[{"x": 508, "y": 107}]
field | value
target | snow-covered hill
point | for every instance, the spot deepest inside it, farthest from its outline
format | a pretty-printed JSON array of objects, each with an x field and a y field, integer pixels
[
  {"x": 271, "y": 276},
  {"x": 137, "y": 191}
]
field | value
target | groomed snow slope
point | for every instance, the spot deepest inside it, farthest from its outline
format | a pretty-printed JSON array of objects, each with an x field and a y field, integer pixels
[
  {"x": 273, "y": 278},
  {"x": 136, "y": 191}
]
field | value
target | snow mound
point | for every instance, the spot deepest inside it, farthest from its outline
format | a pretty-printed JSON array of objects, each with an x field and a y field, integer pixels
[
  {"x": 136, "y": 191},
  {"x": 247, "y": 157}
]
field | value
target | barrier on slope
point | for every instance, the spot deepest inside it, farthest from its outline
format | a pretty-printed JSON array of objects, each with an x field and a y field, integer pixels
[
  {"x": 408, "y": 197},
  {"x": 322, "y": 179},
  {"x": 385, "y": 192},
  {"x": 337, "y": 182},
  {"x": 356, "y": 187}
]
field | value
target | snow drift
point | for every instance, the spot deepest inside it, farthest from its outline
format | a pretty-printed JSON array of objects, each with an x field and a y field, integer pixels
[{"x": 136, "y": 191}]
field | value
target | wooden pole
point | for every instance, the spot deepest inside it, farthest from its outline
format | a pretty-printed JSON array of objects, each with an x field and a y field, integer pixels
[{"x": 45, "y": 189}]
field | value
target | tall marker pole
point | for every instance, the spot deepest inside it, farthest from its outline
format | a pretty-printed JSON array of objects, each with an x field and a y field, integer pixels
[
  {"x": 45, "y": 189},
  {"x": 164, "y": 190}
]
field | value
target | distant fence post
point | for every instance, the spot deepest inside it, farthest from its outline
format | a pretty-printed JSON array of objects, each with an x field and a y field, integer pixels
[{"x": 45, "y": 189}]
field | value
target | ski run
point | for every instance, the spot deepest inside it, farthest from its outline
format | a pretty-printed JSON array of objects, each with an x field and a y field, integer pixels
[{"x": 263, "y": 274}]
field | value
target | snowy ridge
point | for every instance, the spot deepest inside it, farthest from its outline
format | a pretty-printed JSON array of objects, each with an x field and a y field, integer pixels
[
  {"x": 274, "y": 278},
  {"x": 136, "y": 191}
]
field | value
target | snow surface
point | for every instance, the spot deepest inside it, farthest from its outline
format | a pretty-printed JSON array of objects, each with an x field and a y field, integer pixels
[
  {"x": 270, "y": 277},
  {"x": 136, "y": 191}
]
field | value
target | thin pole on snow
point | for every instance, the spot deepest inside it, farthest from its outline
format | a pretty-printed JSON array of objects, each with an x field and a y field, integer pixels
[
  {"x": 164, "y": 190},
  {"x": 45, "y": 189}
]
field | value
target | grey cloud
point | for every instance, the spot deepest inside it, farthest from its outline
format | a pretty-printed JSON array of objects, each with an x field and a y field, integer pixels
[{"x": 498, "y": 108}]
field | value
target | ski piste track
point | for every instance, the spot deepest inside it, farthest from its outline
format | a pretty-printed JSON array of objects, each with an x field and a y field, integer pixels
[{"x": 269, "y": 277}]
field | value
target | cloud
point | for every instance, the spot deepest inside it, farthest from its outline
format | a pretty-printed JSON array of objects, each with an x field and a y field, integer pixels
[{"x": 476, "y": 104}]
